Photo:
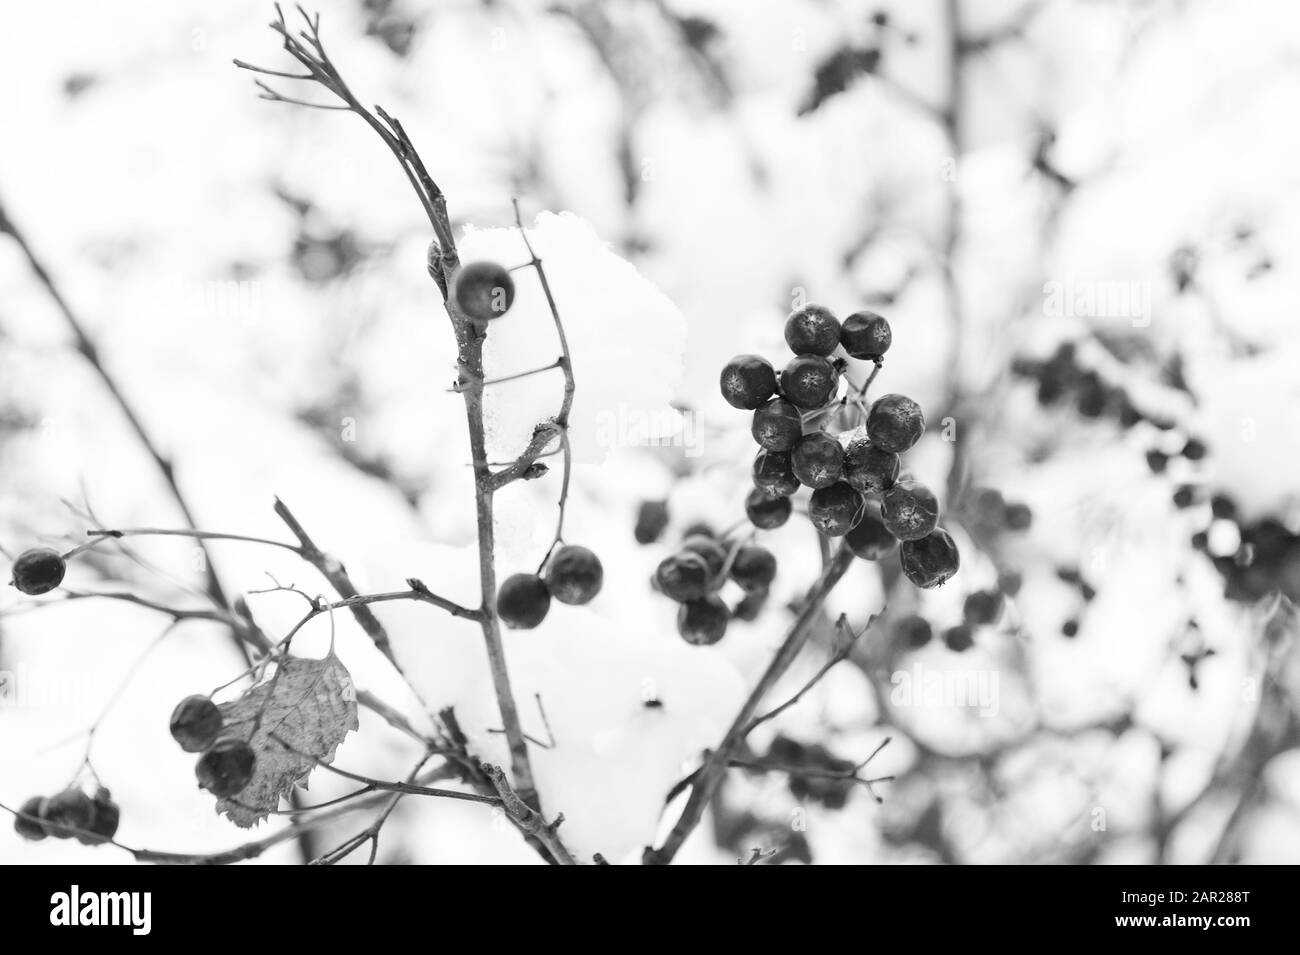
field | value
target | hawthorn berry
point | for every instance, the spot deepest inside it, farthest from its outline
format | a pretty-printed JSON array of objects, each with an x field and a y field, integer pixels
[
  {"x": 1018, "y": 517},
  {"x": 981, "y": 607},
  {"x": 651, "y": 521},
  {"x": 29, "y": 822},
  {"x": 866, "y": 335},
  {"x": 809, "y": 381},
  {"x": 714, "y": 554},
  {"x": 483, "y": 290},
  {"x": 777, "y": 425},
  {"x": 959, "y": 638},
  {"x": 574, "y": 575},
  {"x": 930, "y": 561},
  {"x": 767, "y": 511},
  {"x": 747, "y": 381},
  {"x": 895, "y": 423},
  {"x": 812, "y": 330},
  {"x": 38, "y": 571},
  {"x": 684, "y": 576},
  {"x": 195, "y": 723},
  {"x": 226, "y": 768},
  {"x": 869, "y": 469},
  {"x": 913, "y": 631},
  {"x": 753, "y": 567},
  {"x": 870, "y": 539},
  {"x": 834, "y": 510},
  {"x": 68, "y": 812},
  {"x": 774, "y": 473},
  {"x": 909, "y": 509},
  {"x": 817, "y": 460},
  {"x": 523, "y": 601},
  {"x": 703, "y": 621}
]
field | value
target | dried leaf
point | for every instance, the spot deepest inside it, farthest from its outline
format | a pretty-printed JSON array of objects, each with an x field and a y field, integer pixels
[{"x": 294, "y": 720}]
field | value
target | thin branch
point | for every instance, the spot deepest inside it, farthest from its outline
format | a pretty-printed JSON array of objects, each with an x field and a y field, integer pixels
[
  {"x": 102, "y": 534},
  {"x": 528, "y": 819}
]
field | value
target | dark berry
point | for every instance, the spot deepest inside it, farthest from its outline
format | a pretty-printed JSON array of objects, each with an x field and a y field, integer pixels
[
  {"x": 1018, "y": 517},
  {"x": 812, "y": 330},
  {"x": 29, "y": 823},
  {"x": 698, "y": 529},
  {"x": 703, "y": 621},
  {"x": 574, "y": 575},
  {"x": 103, "y": 826},
  {"x": 710, "y": 548},
  {"x": 982, "y": 607},
  {"x": 747, "y": 381},
  {"x": 1087, "y": 591},
  {"x": 834, "y": 510},
  {"x": 483, "y": 290},
  {"x": 959, "y": 638},
  {"x": 38, "y": 571},
  {"x": 1223, "y": 507},
  {"x": 1092, "y": 396},
  {"x": 1157, "y": 461},
  {"x": 750, "y": 606},
  {"x": 67, "y": 813},
  {"x": 817, "y": 460},
  {"x": 753, "y": 567},
  {"x": 777, "y": 425},
  {"x": 1194, "y": 449},
  {"x": 930, "y": 561},
  {"x": 1200, "y": 541},
  {"x": 774, "y": 473},
  {"x": 809, "y": 381},
  {"x": 1185, "y": 496},
  {"x": 1009, "y": 582},
  {"x": 684, "y": 576},
  {"x": 766, "y": 511},
  {"x": 195, "y": 723},
  {"x": 1070, "y": 628},
  {"x": 651, "y": 521},
  {"x": 870, "y": 539},
  {"x": 522, "y": 601},
  {"x": 869, "y": 469},
  {"x": 913, "y": 631},
  {"x": 866, "y": 335},
  {"x": 1129, "y": 415},
  {"x": 895, "y": 423},
  {"x": 786, "y": 751},
  {"x": 909, "y": 509},
  {"x": 226, "y": 768}
]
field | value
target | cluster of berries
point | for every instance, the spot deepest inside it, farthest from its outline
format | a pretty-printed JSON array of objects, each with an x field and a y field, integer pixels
[
  {"x": 1061, "y": 379},
  {"x": 854, "y": 476},
  {"x": 572, "y": 575},
  {"x": 1262, "y": 556},
  {"x": 815, "y": 773},
  {"x": 226, "y": 766},
  {"x": 70, "y": 814},
  {"x": 695, "y": 574}
]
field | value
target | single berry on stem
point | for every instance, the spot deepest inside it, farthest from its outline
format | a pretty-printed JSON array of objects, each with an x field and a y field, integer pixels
[
  {"x": 869, "y": 469},
  {"x": 1018, "y": 517},
  {"x": 777, "y": 425},
  {"x": 817, "y": 460},
  {"x": 747, "y": 381},
  {"x": 774, "y": 473},
  {"x": 959, "y": 638},
  {"x": 913, "y": 631},
  {"x": 870, "y": 539},
  {"x": 909, "y": 509},
  {"x": 483, "y": 290},
  {"x": 226, "y": 768},
  {"x": 982, "y": 607},
  {"x": 895, "y": 423},
  {"x": 809, "y": 381},
  {"x": 196, "y": 723},
  {"x": 754, "y": 568},
  {"x": 683, "y": 576},
  {"x": 930, "y": 561},
  {"x": 574, "y": 575},
  {"x": 703, "y": 621},
  {"x": 38, "y": 571},
  {"x": 651, "y": 521},
  {"x": 767, "y": 511},
  {"x": 866, "y": 335},
  {"x": 834, "y": 510},
  {"x": 812, "y": 330},
  {"x": 523, "y": 601}
]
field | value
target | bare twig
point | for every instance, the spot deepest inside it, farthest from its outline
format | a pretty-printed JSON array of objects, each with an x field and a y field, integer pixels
[{"x": 526, "y": 818}]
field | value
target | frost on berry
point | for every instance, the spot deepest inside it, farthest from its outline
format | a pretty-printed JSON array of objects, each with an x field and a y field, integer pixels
[
  {"x": 895, "y": 423},
  {"x": 930, "y": 561},
  {"x": 910, "y": 510},
  {"x": 683, "y": 576},
  {"x": 483, "y": 290},
  {"x": 809, "y": 381},
  {"x": 817, "y": 460},
  {"x": 766, "y": 511},
  {"x": 834, "y": 510},
  {"x": 747, "y": 381},
  {"x": 195, "y": 723},
  {"x": 703, "y": 621},
  {"x": 777, "y": 425},
  {"x": 866, "y": 335},
  {"x": 812, "y": 330},
  {"x": 523, "y": 601},
  {"x": 574, "y": 575},
  {"x": 38, "y": 571}
]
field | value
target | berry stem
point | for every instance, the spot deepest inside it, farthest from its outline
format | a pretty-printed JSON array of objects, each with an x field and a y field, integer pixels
[{"x": 705, "y": 783}]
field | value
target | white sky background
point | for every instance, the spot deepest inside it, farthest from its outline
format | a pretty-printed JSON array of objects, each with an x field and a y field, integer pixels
[{"x": 155, "y": 184}]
